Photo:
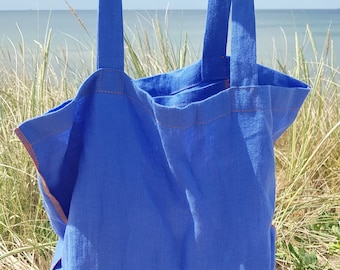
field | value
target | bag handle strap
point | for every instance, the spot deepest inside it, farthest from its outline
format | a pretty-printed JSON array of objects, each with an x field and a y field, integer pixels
[
  {"x": 214, "y": 61},
  {"x": 110, "y": 39},
  {"x": 243, "y": 63},
  {"x": 243, "y": 67}
]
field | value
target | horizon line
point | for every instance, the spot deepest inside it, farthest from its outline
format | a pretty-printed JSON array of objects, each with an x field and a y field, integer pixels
[{"x": 155, "y": 9}]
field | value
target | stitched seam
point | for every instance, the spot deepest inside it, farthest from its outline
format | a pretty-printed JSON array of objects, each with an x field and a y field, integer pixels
[
  {"x": 196, "y": 123},
  {"x": 148, "y": 110},
  {"x": 151, "y": 112},
  {"x": 193, "y": 124},
  {"x": 54, "y": 200},
  {"x": 59, "y": 131},
  {"x": 134, "y": 100},
  {"x": 227, "y": 83},
  {"x": 28, "y": 146},
  {"x": 187, "y": 87},
  {"x": 31, "y": 152},
  {"x": 254, "y": 89}
]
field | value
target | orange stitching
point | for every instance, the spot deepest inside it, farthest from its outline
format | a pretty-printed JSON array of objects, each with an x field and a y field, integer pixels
[
  {"x": 59, "y": 131},
  {"x": 28, "y": 146},
  {"x": 31, "y": 152},
  {"x": 110, "y": 71},
  {"x": 196, "y": 123},
  {"x": 227, "y": 84},
  {"x": 125, "y": 95},
  {"x": 150, "y": 111},
  {"x": 53, "y": 199}
]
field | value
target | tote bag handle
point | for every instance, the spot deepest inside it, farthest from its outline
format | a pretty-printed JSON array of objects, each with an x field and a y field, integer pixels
[
  {"x": 110, "y": 40},
  {"x": 243, "y": 67}
]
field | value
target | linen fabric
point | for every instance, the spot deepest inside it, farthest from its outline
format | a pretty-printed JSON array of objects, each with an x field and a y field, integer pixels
[{"x": 170, "y": 172}]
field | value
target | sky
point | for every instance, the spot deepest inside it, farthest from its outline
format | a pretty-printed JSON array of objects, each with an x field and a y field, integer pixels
[{"x": 162, "y": 4}]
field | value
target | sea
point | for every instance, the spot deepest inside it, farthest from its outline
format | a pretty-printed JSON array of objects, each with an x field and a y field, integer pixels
[{"x": 74, "y": 34}]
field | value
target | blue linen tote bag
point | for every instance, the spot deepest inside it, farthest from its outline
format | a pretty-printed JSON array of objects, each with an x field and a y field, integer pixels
[{"x": 170, "y": 172}]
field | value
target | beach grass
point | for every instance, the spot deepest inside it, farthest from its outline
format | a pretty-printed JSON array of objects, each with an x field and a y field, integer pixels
[
  {"x": 308, "y": 169},
  {"x": 307, "y": 217}
]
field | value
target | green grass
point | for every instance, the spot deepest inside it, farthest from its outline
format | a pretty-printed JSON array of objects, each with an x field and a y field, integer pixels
[{"x": 308, "y": 155}]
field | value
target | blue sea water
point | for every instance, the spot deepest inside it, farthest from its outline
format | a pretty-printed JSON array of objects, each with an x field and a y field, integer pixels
[{"x": 277, "y": 31}]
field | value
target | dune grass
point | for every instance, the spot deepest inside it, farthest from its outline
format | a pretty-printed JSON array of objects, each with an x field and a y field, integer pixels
[
  {"x": 308, "y": 155},
  {"x": 308, "y": 169}
]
